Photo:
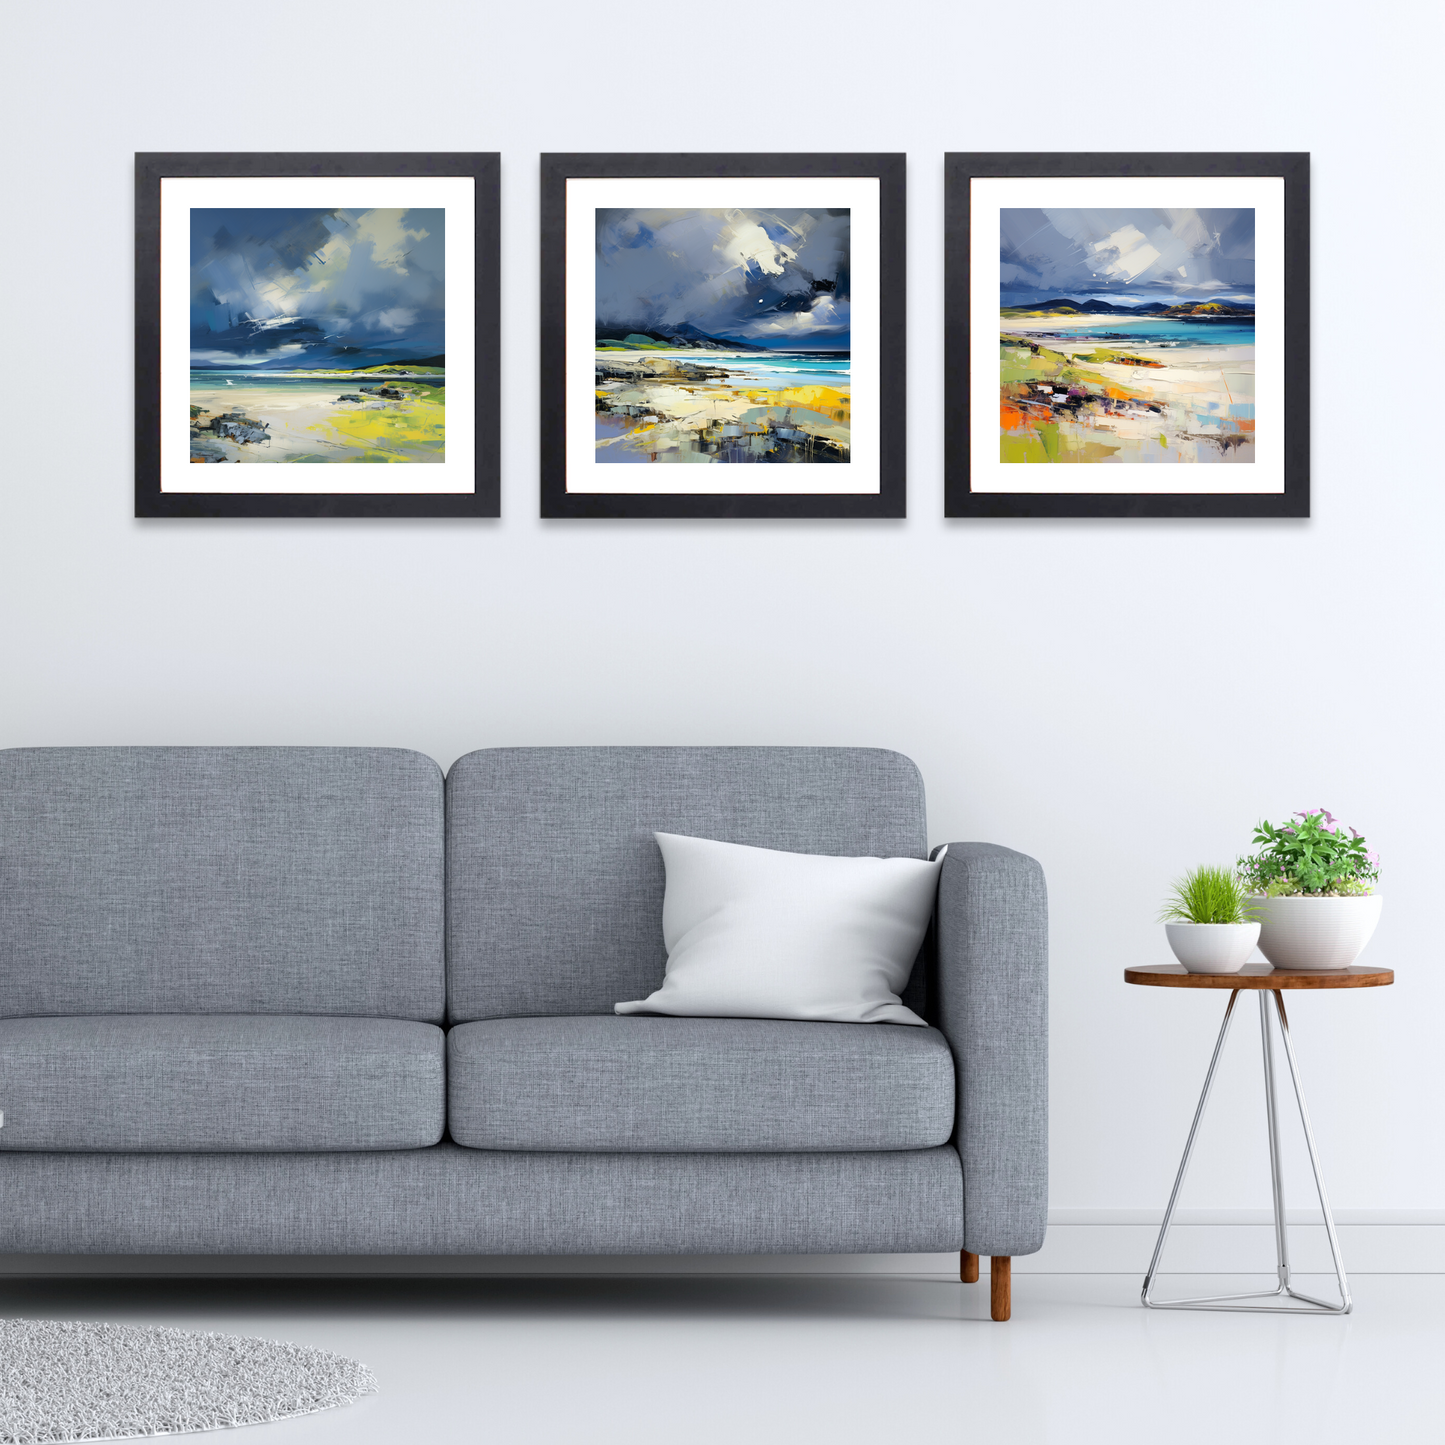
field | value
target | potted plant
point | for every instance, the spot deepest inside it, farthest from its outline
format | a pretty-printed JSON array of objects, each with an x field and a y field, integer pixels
[
  {"x": 1209, "y": 922},
  {"x": 1314, "y": 891}
]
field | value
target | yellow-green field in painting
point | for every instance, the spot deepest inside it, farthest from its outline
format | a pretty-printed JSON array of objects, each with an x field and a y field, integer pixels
[{"x": 413, "y": 430}]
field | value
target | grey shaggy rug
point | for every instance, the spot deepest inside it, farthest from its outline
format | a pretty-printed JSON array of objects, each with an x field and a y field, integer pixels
[{"x": 62, "y": 1380}]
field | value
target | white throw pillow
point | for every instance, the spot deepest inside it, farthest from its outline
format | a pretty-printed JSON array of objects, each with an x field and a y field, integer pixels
[{"x": 754, "y": 933}]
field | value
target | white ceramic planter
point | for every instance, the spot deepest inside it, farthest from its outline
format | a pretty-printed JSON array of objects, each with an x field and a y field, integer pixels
[
  {"x": 1212, "y": 947},
  {"x": 1316, "y": 933}
]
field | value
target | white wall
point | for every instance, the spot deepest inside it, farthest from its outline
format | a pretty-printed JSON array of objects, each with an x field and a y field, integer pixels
[{"x": 1120, "y": 699}]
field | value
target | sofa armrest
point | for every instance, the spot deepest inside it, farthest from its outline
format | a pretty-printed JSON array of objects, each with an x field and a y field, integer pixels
[{"x": 992, "y": 1005}]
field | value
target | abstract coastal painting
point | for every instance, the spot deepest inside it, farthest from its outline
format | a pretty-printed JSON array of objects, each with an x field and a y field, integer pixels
[
  {"x": 1128, "y": 336},
  {"x": 316, "y": 335},
  {"x": 729, "y": 340},
  {"x": 723, "y": 336}
]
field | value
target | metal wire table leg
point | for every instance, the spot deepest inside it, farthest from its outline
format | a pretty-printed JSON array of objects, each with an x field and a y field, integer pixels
[
  {"x": 1283, "y": 1288},
  {"x": 1345, "y": 1304},
  {"x": 1276, "y": 1172},
  {"x": 1188, "y": 1150}
]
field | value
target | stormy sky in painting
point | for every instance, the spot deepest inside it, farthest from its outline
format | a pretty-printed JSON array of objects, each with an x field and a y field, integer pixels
[
  {"x": 273, "y": 289},
  {"x": 778, "y": 279},
  {"x": 1126, "y": 255}
]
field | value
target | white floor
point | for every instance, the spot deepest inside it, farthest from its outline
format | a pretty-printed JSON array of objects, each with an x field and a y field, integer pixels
[{"x": 750, "y": 1361}]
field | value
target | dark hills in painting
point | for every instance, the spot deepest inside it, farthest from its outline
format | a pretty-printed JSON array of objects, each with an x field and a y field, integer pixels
[
  {"x": 1064, "y": 307},
  {"x": 1208, "y": 308},
  {"x": 351, "y": 358},
  {"x": 687, "y": 334}
]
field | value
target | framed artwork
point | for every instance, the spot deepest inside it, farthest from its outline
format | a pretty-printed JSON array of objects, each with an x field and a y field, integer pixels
[
  {"x": 1127, "y": 335},
  {"x": 723, "y": 336},
  {"x": 316, "y": 335}
]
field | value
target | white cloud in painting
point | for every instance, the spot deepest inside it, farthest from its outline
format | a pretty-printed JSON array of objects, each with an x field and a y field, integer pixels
[
  {"x": 744, "y": 243},
  {"x": 796, "y": 325},
  {"x": 395, "y": 320},
  {"x": 390, "y": 239},
  {"x": 248, "y": 358},
  {"x": 273, "y": 323},
  {"x": 1126, "y": 253}
]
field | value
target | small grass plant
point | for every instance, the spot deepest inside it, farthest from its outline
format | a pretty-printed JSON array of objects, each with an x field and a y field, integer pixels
[{"x": 1208, "y": 895}]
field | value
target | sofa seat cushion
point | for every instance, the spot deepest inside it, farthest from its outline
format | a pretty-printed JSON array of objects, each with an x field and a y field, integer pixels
[
  {"x": 229, "y": 1082},
  {"x": 647, "y": 1084}
]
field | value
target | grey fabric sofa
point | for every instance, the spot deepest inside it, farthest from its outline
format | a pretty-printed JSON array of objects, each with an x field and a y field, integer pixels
[{"x": 319, "y": 1001}]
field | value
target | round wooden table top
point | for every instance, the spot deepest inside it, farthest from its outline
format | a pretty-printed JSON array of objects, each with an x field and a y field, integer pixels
[{"x": 1261, "y": 975}]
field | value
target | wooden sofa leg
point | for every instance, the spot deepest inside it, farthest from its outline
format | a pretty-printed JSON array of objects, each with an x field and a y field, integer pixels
[
  {"x": 968, "y": 1267},
  {"x": 1000, "y": 1295}
]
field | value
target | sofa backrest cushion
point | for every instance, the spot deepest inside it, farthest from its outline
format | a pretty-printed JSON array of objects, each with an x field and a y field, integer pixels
[
  {"x": 221, "y": 880},
  {"x": 555, "y": 882}
]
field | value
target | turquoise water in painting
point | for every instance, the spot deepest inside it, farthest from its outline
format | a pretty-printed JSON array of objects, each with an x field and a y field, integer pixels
[
  {"x": 792, "y": 368},
  {"x": 1166, "y": 331},
  {"x": 772, "y": 369}
]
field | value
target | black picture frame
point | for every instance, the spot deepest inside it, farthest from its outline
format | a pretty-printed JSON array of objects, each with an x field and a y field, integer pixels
[
  {"x": 960, "y": 170},
  {"x": 483, "y": 501},
  {"x": 889, "y": 501}
]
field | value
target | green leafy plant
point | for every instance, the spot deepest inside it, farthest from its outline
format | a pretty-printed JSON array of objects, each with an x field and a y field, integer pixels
[
  {"x": 1207, "y": 895},
  {"x": 1312, "y": 857}
]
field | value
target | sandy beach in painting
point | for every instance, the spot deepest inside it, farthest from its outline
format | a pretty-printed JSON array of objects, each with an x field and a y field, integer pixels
[
  {"x": 685, "y": 405},
  {"x": 271, "y": 417},
  {"x": 1066, "y": 397}
]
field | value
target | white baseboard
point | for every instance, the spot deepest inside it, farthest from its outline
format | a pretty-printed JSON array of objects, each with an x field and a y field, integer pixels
[
  {"x": 1236, "y": 1248},
  {"x": 1079, "y": 1242}
]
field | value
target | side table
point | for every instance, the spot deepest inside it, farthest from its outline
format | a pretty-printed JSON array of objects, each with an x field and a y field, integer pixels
[{"x": 1269, "y": 983}]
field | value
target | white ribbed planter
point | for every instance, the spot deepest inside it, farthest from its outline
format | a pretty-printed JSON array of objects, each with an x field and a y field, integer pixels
[
  {"x": 1318, "y": 933},
  {"x": 1212, "y": 947}
]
